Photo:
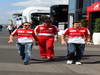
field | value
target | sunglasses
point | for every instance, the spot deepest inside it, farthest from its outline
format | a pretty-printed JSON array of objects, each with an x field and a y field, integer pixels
[{"x": 26, "y": 25}]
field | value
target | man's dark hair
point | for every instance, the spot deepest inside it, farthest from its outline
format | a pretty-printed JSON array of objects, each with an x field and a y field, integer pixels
[
  {"x": 76, "y": 22},
  {"x": 48, "y": 20},
  {"x": 26, "y": 22}
]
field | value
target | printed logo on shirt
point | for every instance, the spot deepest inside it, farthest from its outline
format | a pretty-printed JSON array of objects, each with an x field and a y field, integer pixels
[
  {"x": 41, "y": 28},
  {"x": 82, "y": 30},
  {"x": 20, "y": 31},
  {"x": 29, "y": 31},
  {"x": 50, "y": 29},
  {"x": 75, "y": 33},
  {"x": 72, "y": 30}
]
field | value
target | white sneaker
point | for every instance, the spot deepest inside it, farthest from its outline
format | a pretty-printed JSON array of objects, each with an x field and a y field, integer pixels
[
  {"x": 78, "y": 63},
  {"x": 69, "y": 62}
]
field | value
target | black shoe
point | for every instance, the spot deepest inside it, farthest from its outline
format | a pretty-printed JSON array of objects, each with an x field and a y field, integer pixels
[{"x": 26, "y": 62}]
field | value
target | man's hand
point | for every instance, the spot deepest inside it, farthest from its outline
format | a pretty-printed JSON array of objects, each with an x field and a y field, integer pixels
[
  {"x": 63, "y": 42},
  {"x": 10, "y": 41},
  {"x": 88, "y": 43},
  {"x": 55, "y": 39}
]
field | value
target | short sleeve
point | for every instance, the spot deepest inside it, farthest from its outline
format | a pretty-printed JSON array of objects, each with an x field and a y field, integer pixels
[
  {"x": 14, "y": 32},
  {"x": 66, "y": 32}
]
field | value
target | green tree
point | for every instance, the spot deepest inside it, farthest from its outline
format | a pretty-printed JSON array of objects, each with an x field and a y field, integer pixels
[
  {"x": 84, "y": 23},
  {"x": 97, "y": 25}
]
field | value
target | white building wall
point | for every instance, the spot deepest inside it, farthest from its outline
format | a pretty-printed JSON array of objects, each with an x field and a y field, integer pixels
[{"x": 56, "y": 2}]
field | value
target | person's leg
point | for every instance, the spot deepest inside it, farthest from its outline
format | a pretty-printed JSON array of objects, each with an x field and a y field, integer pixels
[
  {"x": 79, "y": 53},
  {"x": 71, "y": 52},
  {"x": 50, "y": 47},
  {"x": 42, "y": 46},
  {"x": 21, "y": 48},
  {"x": 0, "y": 29},
  {"x": 28, "y": 50}
]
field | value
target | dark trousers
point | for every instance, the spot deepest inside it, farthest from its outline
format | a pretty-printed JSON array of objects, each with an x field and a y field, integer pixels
[{"x": 75, "y": 51}]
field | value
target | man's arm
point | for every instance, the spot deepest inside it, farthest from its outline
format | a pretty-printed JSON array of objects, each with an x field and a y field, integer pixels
[
  {"x": 63, "y": 42},
  {"x": 88, "y": 38},
  {"x": 35, "y": 37},
  {"x": 14, "y": 33},
  {"x": 10, "y": 39}
]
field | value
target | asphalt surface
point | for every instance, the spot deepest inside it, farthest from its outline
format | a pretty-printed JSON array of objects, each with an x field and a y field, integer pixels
[{"x": 11, "y": 64}]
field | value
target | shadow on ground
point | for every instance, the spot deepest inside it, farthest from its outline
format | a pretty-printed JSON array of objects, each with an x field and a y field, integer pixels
[
  {"x": 91, "y": 59},
  {"x": 56, "y": 59}
]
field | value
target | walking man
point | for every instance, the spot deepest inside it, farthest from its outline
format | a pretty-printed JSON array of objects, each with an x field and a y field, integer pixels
[
  {"x": 46, "y": 35},
  {"x": 25, "y": 38},
  {"x": 76, "y": 38}
]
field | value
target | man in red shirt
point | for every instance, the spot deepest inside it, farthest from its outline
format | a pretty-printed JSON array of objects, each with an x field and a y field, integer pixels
[
  {"x": 25, "y": 38},
  {"x": 76, "y": 38},
  {"x": 46, "y": 35}
]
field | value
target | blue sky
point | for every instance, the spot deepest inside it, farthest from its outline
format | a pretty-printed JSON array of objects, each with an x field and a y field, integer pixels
[{"x": 7, "y": 7}]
